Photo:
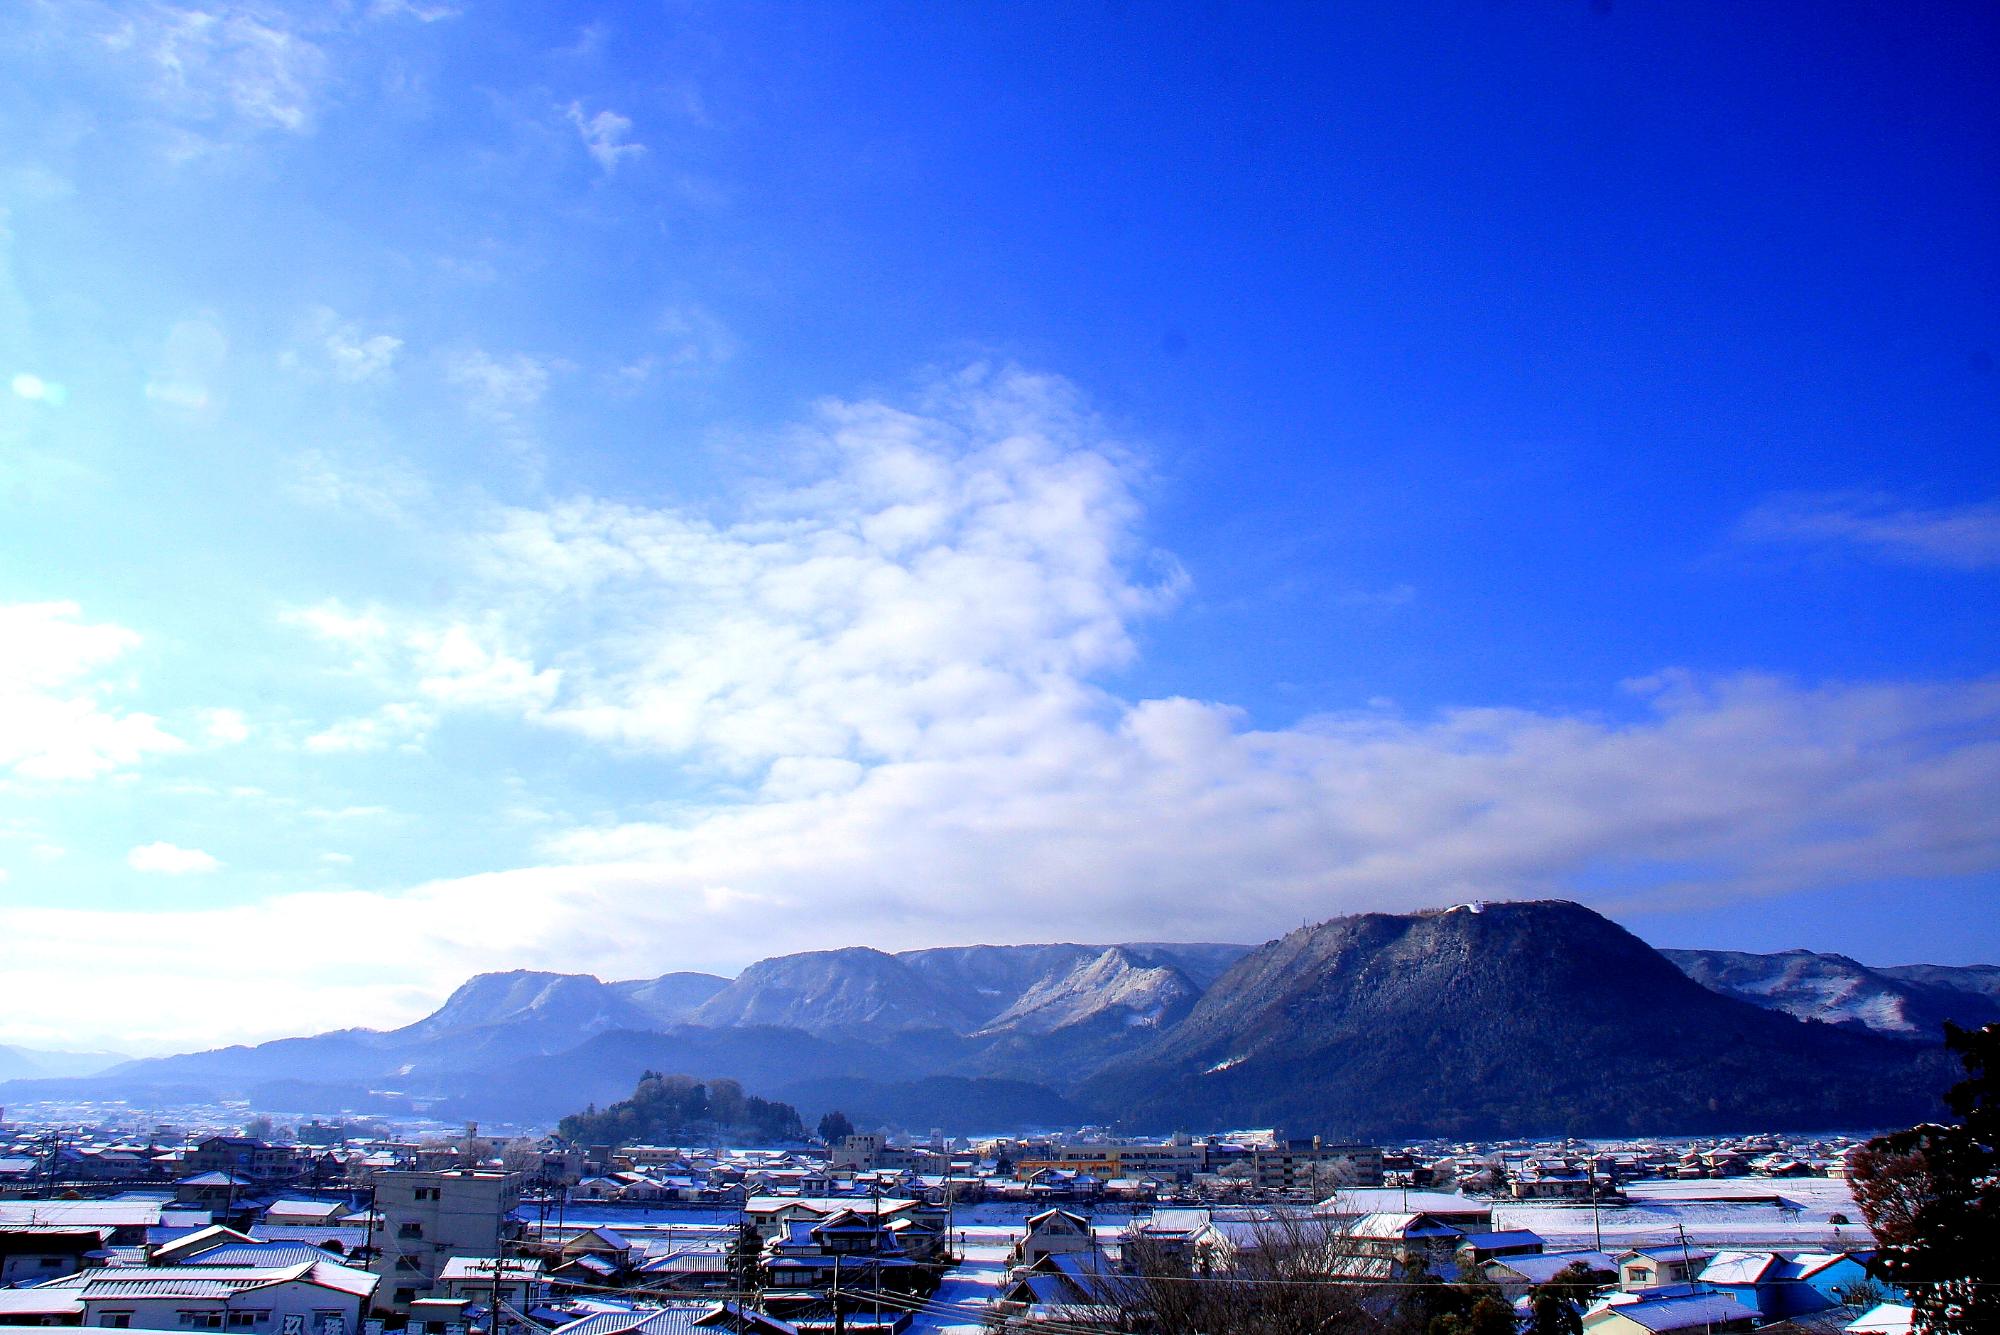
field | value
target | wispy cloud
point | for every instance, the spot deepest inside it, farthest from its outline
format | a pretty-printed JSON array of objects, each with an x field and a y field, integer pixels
[
  {"x": 226, "y": 62},
  {"x": 385, "y": 490},
  {"x": 398, "y": 724},
  {"x": 1964, "y": 537},
  {"x": 504, "y": 391},
  {"x": 341, "y": 349},
  {"x": 604, "y": 135}
]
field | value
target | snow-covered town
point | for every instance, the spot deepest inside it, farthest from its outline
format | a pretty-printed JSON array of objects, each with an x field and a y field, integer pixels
[{"x": 325, "y": 1230}]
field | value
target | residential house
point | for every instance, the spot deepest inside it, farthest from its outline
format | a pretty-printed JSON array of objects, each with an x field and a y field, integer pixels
[
  {"x": 32, "y": 1254},
  {"x": 1475, "y": 1249},
  {"x": 1780, "y": 1285},
  {"x": 1067, "y": 1287},
  {"x": 1656, "y": 1267},
  {"x": 247, "y": 1157},
  {"x": 1634, "y": 1314},
  {"x": 1054, "y": 1231},
  {"x": 1517, "y": 1272},
  {"x": 518, "y": 1281},
  {"x": 309, "y": 1298},
  {"x": 838, "y": 1262}
]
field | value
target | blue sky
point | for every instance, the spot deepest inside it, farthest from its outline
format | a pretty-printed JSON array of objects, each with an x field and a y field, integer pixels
[{"x": 633, "y": 487}]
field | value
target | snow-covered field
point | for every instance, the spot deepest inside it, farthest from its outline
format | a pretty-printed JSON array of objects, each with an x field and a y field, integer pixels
[
  {"x": 1714, "y": 1212},
  {"x": 967, "y": 1288}
]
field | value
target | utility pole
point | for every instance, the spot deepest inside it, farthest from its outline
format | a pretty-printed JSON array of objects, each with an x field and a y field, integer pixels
[
  {"x": 1596, "y": 1227},
  {"x": 839, "y": 1318}
]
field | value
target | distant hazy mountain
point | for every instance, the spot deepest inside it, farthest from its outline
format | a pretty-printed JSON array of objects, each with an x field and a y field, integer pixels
[
  {"x": 1979, "y": 979},
  {"x": 1512, "y": 1018},
  {"x": 1911, "y": 1001},
  {"x": 31, "y": 1063}
]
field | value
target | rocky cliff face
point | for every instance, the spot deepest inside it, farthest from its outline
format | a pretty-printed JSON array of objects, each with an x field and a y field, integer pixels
[{"x": 1116, "y": 984}]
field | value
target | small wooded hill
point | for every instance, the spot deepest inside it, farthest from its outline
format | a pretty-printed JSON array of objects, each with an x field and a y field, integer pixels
[
  {"x": 1510, "y": 1018},
  {"x": 673, "y": 1109}
]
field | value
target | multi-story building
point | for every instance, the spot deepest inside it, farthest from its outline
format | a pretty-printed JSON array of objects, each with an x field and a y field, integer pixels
[
  {"x": 1177, "y": 1160},
  {"x": 427, "y": 1218},
  {"x": 1316, "y": 1166},
  {"x": 248, "y": 1157}
]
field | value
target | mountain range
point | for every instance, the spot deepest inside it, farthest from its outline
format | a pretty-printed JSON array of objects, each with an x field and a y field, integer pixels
[{"x": 1493, "y": 1019}]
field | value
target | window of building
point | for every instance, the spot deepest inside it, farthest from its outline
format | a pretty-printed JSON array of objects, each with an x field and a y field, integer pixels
[
  {"x": 407, "y": 1263},
  {"x": 405, "y": 1296},
  {"x": 115, "y": 1320},
  {"x": 410, "y": 1230}
]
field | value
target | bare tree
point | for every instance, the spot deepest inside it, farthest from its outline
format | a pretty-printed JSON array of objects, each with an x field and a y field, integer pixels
[{"x": 1280, "y": 1273}]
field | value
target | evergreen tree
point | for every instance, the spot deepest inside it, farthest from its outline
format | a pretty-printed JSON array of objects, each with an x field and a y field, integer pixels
[{"x": 833, "y": 1126}]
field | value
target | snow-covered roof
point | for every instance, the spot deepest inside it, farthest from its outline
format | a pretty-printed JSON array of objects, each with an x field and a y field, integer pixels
[
  {"x": 1679, "y": 1313},
  {"x": 1883, "y": 1319}
]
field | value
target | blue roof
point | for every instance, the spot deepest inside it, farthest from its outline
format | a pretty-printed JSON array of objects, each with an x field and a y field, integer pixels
[{"x": 1512, "y": 1237}]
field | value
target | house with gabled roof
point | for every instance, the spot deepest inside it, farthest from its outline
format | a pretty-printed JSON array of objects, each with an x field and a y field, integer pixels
[
  {"x": 1054, "y": 1231},
  {"x": 1640, "y": 1314},
  {"x": 1656, "y": 1267},
  {"x": 308, "y": 1298}
]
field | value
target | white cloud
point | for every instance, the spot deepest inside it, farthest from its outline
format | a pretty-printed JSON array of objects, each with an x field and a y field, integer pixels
[
  {"x": 1965, "y": 537},
  {"x": 932, "y": 581},
  {"x": 170, "y": 860},
  {"x": 225, "y": 727},
  {"x": 453, "y": 664},
  {"x": 57, "y": 721},
  {"x": 340, "y": 349},
  {"x": 398, "y": 724},
  {"x": 604, "y": 136}
]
